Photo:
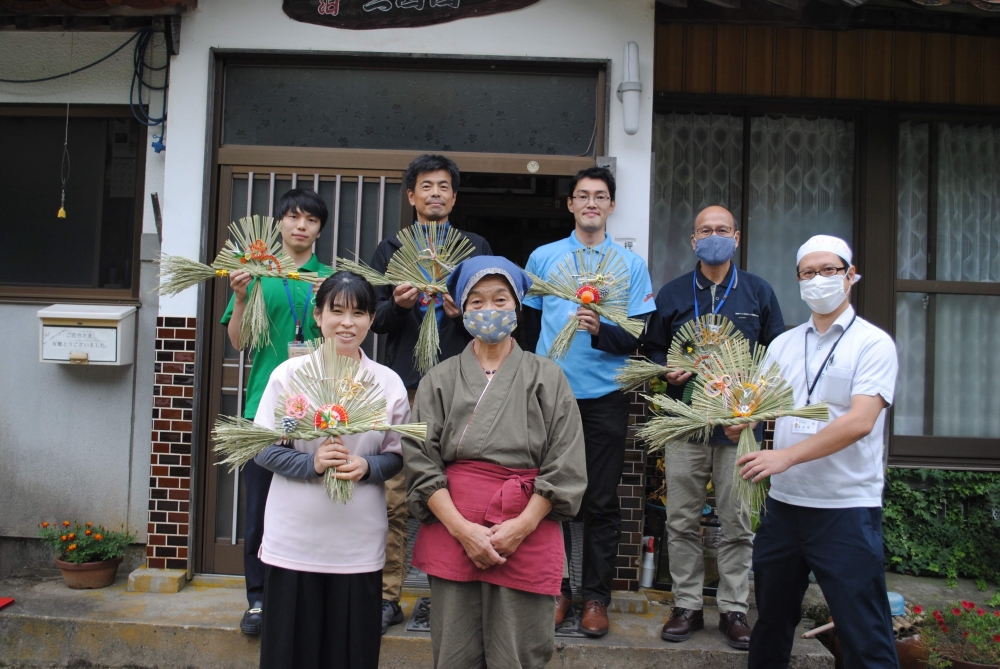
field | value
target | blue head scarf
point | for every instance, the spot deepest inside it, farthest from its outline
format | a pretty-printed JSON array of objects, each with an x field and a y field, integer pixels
[{"x": 469, "y": 272}]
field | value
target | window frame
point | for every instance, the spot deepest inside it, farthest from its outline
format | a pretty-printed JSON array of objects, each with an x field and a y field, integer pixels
[
  {"x": 939, "y": 451},
  {"x": 75, "y": 294}
]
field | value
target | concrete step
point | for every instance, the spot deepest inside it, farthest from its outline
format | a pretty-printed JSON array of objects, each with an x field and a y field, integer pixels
[{"x": 52, "y": 626}]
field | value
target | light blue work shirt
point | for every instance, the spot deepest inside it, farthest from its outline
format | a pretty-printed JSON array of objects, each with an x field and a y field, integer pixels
[{"x": 591, "y": 373}]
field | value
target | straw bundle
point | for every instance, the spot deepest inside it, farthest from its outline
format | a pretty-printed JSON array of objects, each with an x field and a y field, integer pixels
[
  {"x": 254, "y": 247},
  {"x": 596, "y": 281},
  {"x": 328, "y": 396},
  {"x": 426, "y": 258},
  {"x": 738, "y": 387}
]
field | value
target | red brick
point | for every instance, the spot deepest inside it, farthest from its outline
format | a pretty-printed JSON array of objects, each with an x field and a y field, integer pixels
[
  {"x": 168, "y": 482},
  {"x": 182, "y": 529},
  {"x": 163, "y": 379},
  {"x": 171, "y": 414},
  {"x": 172, "y": 391},
  {"x": 179, "y": 494},
  {"x": 150, "y": 528},
  {"x": 192, "y": 322},
  {"x": 184, "y": 356},
  {"x": 173, "y": 368},
  {"x": 161, "y": 424},
  {"x": 149, "y": 551},
  {"x": 164, "y": 333},
  {"x": 161, "y": 401},
  {"x": 186, "y": 460},
  {"x": 156, "y": 563},
  {"x": 184, "y": 334},
  {"x": 157, "y": 540},
  {"x": 177, "y": 517},
  {"x": 183, "y": 506},
  {"x": 158, "y": 470},
  {"x": 180, "y": 426},
  {"x": 161, "y": 448},
  {"x": 185, "y": 483},
  {"x": 188, "y": 391},
  {"x": 182, "y": 552}
]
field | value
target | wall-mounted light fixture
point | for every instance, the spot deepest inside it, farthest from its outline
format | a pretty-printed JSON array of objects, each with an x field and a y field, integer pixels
[{"x": 630, "y": 88}]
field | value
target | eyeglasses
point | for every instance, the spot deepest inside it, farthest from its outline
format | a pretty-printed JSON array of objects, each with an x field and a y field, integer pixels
[
  {"x": 705, "y": 233},
  {"x": 807, "y": 274},
  {"x": 600, "y": 198}
]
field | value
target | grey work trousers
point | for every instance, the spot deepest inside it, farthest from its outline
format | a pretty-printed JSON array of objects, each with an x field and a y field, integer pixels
[
  {"x": 688, "y": 469},
  {"x": 483, "y": 626}
]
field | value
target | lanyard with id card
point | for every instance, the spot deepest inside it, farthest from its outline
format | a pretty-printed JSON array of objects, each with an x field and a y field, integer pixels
[{"x": 297, "y": 346}]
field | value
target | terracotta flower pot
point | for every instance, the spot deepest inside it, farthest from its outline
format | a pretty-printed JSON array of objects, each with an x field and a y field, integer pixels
[{"x": 89, "y": 575}]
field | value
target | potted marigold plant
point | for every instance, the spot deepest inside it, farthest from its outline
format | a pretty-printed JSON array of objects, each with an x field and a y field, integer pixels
[
  {"x": 963, "y": 636},
  {"x": 88, "y": 556}
]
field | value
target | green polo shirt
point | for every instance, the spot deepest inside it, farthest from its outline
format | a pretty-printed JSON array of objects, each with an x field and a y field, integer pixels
[{"x": 282, "y": 329}]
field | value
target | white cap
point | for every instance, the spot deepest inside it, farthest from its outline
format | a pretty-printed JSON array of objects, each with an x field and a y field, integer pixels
[{"x": 825, "y": 243}]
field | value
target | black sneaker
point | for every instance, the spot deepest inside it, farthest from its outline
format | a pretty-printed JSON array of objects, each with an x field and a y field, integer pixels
[
  {"x": 391, "y": 614},
  {"x": 253, "y": 619}
]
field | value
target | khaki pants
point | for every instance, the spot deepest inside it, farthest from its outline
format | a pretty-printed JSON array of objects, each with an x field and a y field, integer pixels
[
  {"x": 394, "y": 571},
  {"x": 688, "y": 467}
]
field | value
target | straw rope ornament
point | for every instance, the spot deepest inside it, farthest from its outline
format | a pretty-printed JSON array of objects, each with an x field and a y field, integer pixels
[
  {"x": 254, "y": 246},
  {"x": 691, "y": 350},
  {"x": 590, "y": 279},
  {"x": 330, "y": 395},
  {"x": 736, "y": 388},
  {"x": 427, "y": 256}
]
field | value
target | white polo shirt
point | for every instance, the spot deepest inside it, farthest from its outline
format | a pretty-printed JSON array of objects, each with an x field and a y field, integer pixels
[{"x": 863, "y": 363}]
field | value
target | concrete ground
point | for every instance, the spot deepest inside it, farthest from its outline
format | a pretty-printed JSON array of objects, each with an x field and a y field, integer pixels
[{"x": 52, "y": 626}]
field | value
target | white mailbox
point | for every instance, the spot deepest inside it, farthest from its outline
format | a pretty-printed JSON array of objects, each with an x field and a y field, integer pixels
[{"x": 87, "y": 334}]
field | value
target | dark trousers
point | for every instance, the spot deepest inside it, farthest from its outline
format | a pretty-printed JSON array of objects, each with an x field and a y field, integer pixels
[
  {"x": 256, "y": 483},
  {"x": 843, "y": 548},
  {"x": 321, "y": 621},
  {"x": 605, "y": 426}
]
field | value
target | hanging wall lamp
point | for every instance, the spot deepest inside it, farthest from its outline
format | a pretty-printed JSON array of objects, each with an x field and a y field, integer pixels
[{"x": 630, "y": 88}]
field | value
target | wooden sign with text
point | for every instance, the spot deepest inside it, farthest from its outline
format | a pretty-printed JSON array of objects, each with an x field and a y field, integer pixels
[{"x": 371, "y": 14}]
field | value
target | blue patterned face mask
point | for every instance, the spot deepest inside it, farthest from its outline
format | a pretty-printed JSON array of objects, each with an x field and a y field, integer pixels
[{"x": 491, "y": 326}]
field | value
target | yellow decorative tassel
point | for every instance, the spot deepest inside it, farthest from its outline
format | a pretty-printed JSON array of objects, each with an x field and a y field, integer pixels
[
  {"x": 221, "y": 273},
  {"x": 293, "y": 275},
  {"x": 62, "y": 213}
]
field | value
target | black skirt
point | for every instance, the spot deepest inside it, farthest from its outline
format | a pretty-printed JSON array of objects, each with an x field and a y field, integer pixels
[{"x": 321, "y": 621}]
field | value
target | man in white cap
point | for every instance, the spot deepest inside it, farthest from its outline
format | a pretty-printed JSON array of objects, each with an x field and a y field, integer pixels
[{"x": 824, "y": 509}]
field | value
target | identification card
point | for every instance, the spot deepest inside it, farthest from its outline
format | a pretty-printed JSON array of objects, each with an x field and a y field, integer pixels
[
  {"x": 804, "y": 426},
  {"x": 297, "y": 348}
]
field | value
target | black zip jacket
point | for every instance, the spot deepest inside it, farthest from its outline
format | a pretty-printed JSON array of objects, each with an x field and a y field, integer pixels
[{"x": 402, "y": 325}]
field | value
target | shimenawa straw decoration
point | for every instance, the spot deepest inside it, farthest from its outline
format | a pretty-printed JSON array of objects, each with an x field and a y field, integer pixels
[
  {"x": 691, "y": 350},
  {"x": 597, "y": 281},
  {"x": 328, "y": 396},
  {"x": 427, "y": 256},
  {"x": 736, "y": 388},
  {"x": 254, "y": 246}
]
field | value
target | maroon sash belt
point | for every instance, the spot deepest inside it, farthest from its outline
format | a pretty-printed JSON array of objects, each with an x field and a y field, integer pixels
[{"x": 488, "y": 494}]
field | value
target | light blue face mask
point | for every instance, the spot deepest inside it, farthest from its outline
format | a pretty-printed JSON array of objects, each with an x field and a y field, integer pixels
[
  {"x": 490, "y": 326},
  {"x": 715, "y": 250}
]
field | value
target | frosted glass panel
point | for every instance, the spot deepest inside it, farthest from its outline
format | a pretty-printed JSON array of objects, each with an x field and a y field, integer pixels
[
  {"x": 911, "y": 343},
  {"x": 698, "y": 162},
  {"x": 495, "y": 112},
  {"x": 801, "y": 184},
  {"x": 912, "y": 187}
]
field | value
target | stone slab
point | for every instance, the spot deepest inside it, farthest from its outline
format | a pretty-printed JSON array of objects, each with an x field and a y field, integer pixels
[{"x": 160, "y": 581}]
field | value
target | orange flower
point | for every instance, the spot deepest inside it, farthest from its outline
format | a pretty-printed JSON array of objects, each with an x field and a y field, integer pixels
[
  {"x": 98, "y": 537},
  {"x": 62, "y": 538},
  {"x": 44, "y": 525},
  {"x": 90, "y": 524},
  {"x": 65, "y": 523},
  {"x": 72, "y": 535},
  {"x": 89, "y": 532},
  {"x": 72, "y": 547}
]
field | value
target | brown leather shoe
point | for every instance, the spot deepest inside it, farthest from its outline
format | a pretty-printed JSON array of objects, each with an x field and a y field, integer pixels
[
  {"x": 595, "y": 618},
  {"x": 736, "y": 628},
  {"x": 563, "y": 605},
  {"x": 681, "y": 624}
]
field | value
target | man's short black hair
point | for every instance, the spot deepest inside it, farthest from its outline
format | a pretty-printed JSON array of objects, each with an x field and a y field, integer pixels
[
  {"x": 306, "y": 201},
  {"x": 430, "y": 163},
  {"x": 602, "y": 173}
]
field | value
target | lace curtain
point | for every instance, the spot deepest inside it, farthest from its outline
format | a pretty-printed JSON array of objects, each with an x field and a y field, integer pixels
[
  {"x": 698, "y": 161},
  {"x": 965, "y": 328},
  {"x": 801, "y": 184}
]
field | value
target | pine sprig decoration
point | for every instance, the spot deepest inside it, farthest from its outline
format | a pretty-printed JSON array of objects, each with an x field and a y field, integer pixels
[
  {"x": 698, "y": 341},
  {"x": 254, "y": 246},
  {"x": 427, "y": 256},
  {"x": 738, "y": 387},
  {"x": 596, "y": 280},
  {"x": 328, "y": 396}
]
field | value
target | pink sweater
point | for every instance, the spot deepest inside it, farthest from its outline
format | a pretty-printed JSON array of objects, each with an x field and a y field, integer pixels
[{"x": 303, "y": 529}]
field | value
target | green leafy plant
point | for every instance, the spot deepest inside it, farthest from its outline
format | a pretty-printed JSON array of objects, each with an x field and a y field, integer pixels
[
  {"x": 942, "y": 523},
  {"x": 85, "y": 543},
  {"x": 964, "y": 632}
]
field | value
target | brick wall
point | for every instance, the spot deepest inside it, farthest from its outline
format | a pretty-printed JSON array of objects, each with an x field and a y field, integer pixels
[
  {"x": 632, "y": 494},
  {"x": 170, "y": 460}
]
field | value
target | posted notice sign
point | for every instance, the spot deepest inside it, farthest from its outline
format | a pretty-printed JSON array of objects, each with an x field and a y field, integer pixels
[{"x": 59, "y": 341}]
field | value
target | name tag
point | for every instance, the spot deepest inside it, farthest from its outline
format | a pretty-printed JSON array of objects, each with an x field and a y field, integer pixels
[
  {"x": 297, "y": 348},
  {"x": 804, "y": 426}
]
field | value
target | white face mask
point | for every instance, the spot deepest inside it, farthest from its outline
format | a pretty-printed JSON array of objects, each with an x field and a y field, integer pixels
[{"x": 823, "y": 294}]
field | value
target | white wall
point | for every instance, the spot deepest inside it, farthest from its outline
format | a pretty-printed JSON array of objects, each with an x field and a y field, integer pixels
[{"x": 593, "y": 29}]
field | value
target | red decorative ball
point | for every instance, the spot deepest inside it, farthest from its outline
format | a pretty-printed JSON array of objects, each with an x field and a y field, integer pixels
[{"x": 588, "y": 294}]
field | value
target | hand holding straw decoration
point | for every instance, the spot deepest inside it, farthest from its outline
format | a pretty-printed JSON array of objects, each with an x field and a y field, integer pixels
[
  {"x": 254, "y": 247},
  {"x": 329, "y": 396},
  {"x": 691, "y": 350},
  {"x": 735, "y": 387},
  {"x": 595, "y": 281},
  {"x": 425, "y": 259}
]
